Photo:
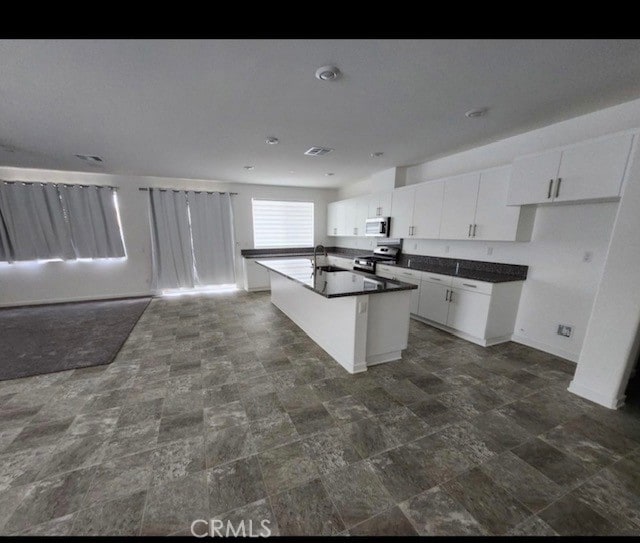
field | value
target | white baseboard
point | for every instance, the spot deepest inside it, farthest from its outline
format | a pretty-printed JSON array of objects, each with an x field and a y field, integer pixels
[
  {"x": 79, "y": 299},
  {"x": 556, "y": 351},
  {"x": 463, "y": 335},
  {"x": 257, "y": 289},
  {"x": 384, "y": 357},
  {"x": 595, "y": 396}
]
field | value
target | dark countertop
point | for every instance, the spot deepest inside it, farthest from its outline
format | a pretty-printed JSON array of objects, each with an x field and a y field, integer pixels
[
  {"x": 490, "y": 272},
  {"x": 464, "y": 273},
  {"x": 332, "y": 284}
]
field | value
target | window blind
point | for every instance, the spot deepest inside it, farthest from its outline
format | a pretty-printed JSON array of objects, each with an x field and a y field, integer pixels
[{"x": 282, "y": 224}]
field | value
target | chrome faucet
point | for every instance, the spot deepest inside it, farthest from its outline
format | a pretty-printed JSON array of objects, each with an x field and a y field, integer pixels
[{"x": 315, "y": 250}]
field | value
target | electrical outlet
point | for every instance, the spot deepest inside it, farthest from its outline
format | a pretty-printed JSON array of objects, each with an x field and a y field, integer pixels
[
  {"x": 415, "y": 246},
  {"x": 446, "y": 248},
  {"x": 565, "y": 330},
  {"x": 489, "y": 250}
]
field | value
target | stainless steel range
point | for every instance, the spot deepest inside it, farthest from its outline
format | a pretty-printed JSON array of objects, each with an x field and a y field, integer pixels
[{"x": 385, "y": 252}]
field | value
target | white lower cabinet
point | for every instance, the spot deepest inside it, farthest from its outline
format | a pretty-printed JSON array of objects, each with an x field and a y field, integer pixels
[
  {"x": 481, "y": 312},
  {"x": 340, "y": 262},
  {"x": 433, "y": 302},
  {"x": 406, "y": 276},
  {"x": 255, "y": 277},
  {"x": 468, "y": 312}
]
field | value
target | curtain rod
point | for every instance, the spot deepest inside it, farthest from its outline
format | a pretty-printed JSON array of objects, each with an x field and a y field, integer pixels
[
  {"x": 63, "y": 184},
  {"x": 191, "y": 190}
]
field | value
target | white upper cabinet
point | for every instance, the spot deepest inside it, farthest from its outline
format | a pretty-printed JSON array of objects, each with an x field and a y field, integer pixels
[
  {"x": 402, "y": 212},
  {"x": 494, "y": 219},
  {"x": 594, "y": 170},
  {"x": 532, "y": 178},
  {"x": 380, "y": 204},
  {"x": 350, "y": 217},
  {"x": 336, "y": 218},
  {"x": 588, "y": 171},
  {"x": 459, "y": 206},
  {"x": 427, "y": 210},
  {"x": 362, "y": 214},
  {"x": 332, "y": 219}
]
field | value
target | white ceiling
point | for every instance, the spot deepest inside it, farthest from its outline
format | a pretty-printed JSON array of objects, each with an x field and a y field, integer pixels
[{"x": 202, "y": 109}]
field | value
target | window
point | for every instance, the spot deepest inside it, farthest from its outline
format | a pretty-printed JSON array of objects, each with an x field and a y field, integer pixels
[{"x": 282, "y": 224}]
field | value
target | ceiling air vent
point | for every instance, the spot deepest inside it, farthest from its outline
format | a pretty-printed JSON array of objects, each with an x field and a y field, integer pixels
[{"x": 317, "y": 151}]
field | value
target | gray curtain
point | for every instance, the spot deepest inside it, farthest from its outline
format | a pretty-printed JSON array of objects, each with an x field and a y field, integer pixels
[
  {"x": 92, "y": 217},
  {"x": 172, "y": 250},
  {"x": 212, "y": 236},
  {"x": 32, "y": 223}
]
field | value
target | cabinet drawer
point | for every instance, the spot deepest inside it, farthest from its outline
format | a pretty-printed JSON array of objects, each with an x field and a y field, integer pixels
[
  {"x": 409, "y": 274},
  {"x": 472, "y": 285},
  {"x": 386, "y": 275},
  {"x": 444, "y": 280}
]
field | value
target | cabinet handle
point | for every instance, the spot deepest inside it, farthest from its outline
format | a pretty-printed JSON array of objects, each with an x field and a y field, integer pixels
[
  {"x": 450, "y": 296},
  {"x": 550, "y": 187},
  {"x": 469, "y": 234},
  {"x": 558, "y": 187},
  {"x": 469, "y": 285},
  {"x": 435, "y": 278},
  {"x": 446, "y": 296},
  {"x": 474, "y": 230}
]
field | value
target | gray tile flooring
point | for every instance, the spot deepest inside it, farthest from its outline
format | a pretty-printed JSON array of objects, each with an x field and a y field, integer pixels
[{"x": 218, "y": 406}]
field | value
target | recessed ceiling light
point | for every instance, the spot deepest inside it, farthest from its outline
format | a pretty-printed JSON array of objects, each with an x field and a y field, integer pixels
[
  {"x": 328, "y": 73},
  {"x": 475, "y": 113},
  {"x": 272, "y": 141},
  {"x": 248, "y": 168},
  {"x": 377, "y": 154},
  {"x": 292, "y": 171},
  {"x": 329, "y": 174},
  {"x": 89, "y": 158}
]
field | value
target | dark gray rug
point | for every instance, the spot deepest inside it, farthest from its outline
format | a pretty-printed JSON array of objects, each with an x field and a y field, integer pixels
[{"x": 57, "y": 337}]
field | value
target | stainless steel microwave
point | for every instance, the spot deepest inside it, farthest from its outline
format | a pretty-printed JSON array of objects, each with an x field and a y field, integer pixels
[{"x": 377, "y": 227}]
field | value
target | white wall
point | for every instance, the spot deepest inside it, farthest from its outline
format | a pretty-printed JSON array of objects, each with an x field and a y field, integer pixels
[
  {"x": 27, "y": 283},
  {"x": 613, "y": 334},
  {"x": 560, "y": 288}
]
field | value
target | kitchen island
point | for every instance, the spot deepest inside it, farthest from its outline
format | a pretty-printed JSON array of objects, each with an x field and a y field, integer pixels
[{"x": 359, "y": 319}]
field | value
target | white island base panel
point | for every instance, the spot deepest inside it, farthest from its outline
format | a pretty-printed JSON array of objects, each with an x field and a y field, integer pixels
[{"x": 357, "y": 331}]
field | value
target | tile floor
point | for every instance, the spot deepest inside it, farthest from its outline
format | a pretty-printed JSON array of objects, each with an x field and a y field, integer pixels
[{"x": 218, "y": 406}]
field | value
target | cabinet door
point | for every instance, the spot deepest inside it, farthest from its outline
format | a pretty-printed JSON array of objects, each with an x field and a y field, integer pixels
[
  {"x": 332, "y": 219},
  {"x": 350, "y": 219},
  {"x": 415, "y": 294},
  {"x": 495, "y": 220},
  {"x": 532, "y": 179},
  {"x": 593, "y": 170},
  {"x": 374, "y": 206},
  {"x": 427, "y": 210},
  {"x": 459, "y": 206},
  {"x": 362, "y": 213},
  {"x": 402, "y": 213},
  {"x": 468, "y": 312},
  {"x": 341, "y": 218},
  {"x": 432, "y": 304},
  {"x": 385, "y": 200}
]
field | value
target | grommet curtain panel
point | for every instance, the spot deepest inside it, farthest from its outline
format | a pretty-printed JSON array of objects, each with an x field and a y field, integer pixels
[
  {"x": 193, "y": 242},
  {"x": 212, "y": 237},
  {"x": 41, "y": 221},
  {"x": 172, "y": 255},
  {"x": 93, "y": 221}
]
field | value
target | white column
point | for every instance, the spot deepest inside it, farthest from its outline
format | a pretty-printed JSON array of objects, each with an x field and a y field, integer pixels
[{"x": 611, "y": 342}]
